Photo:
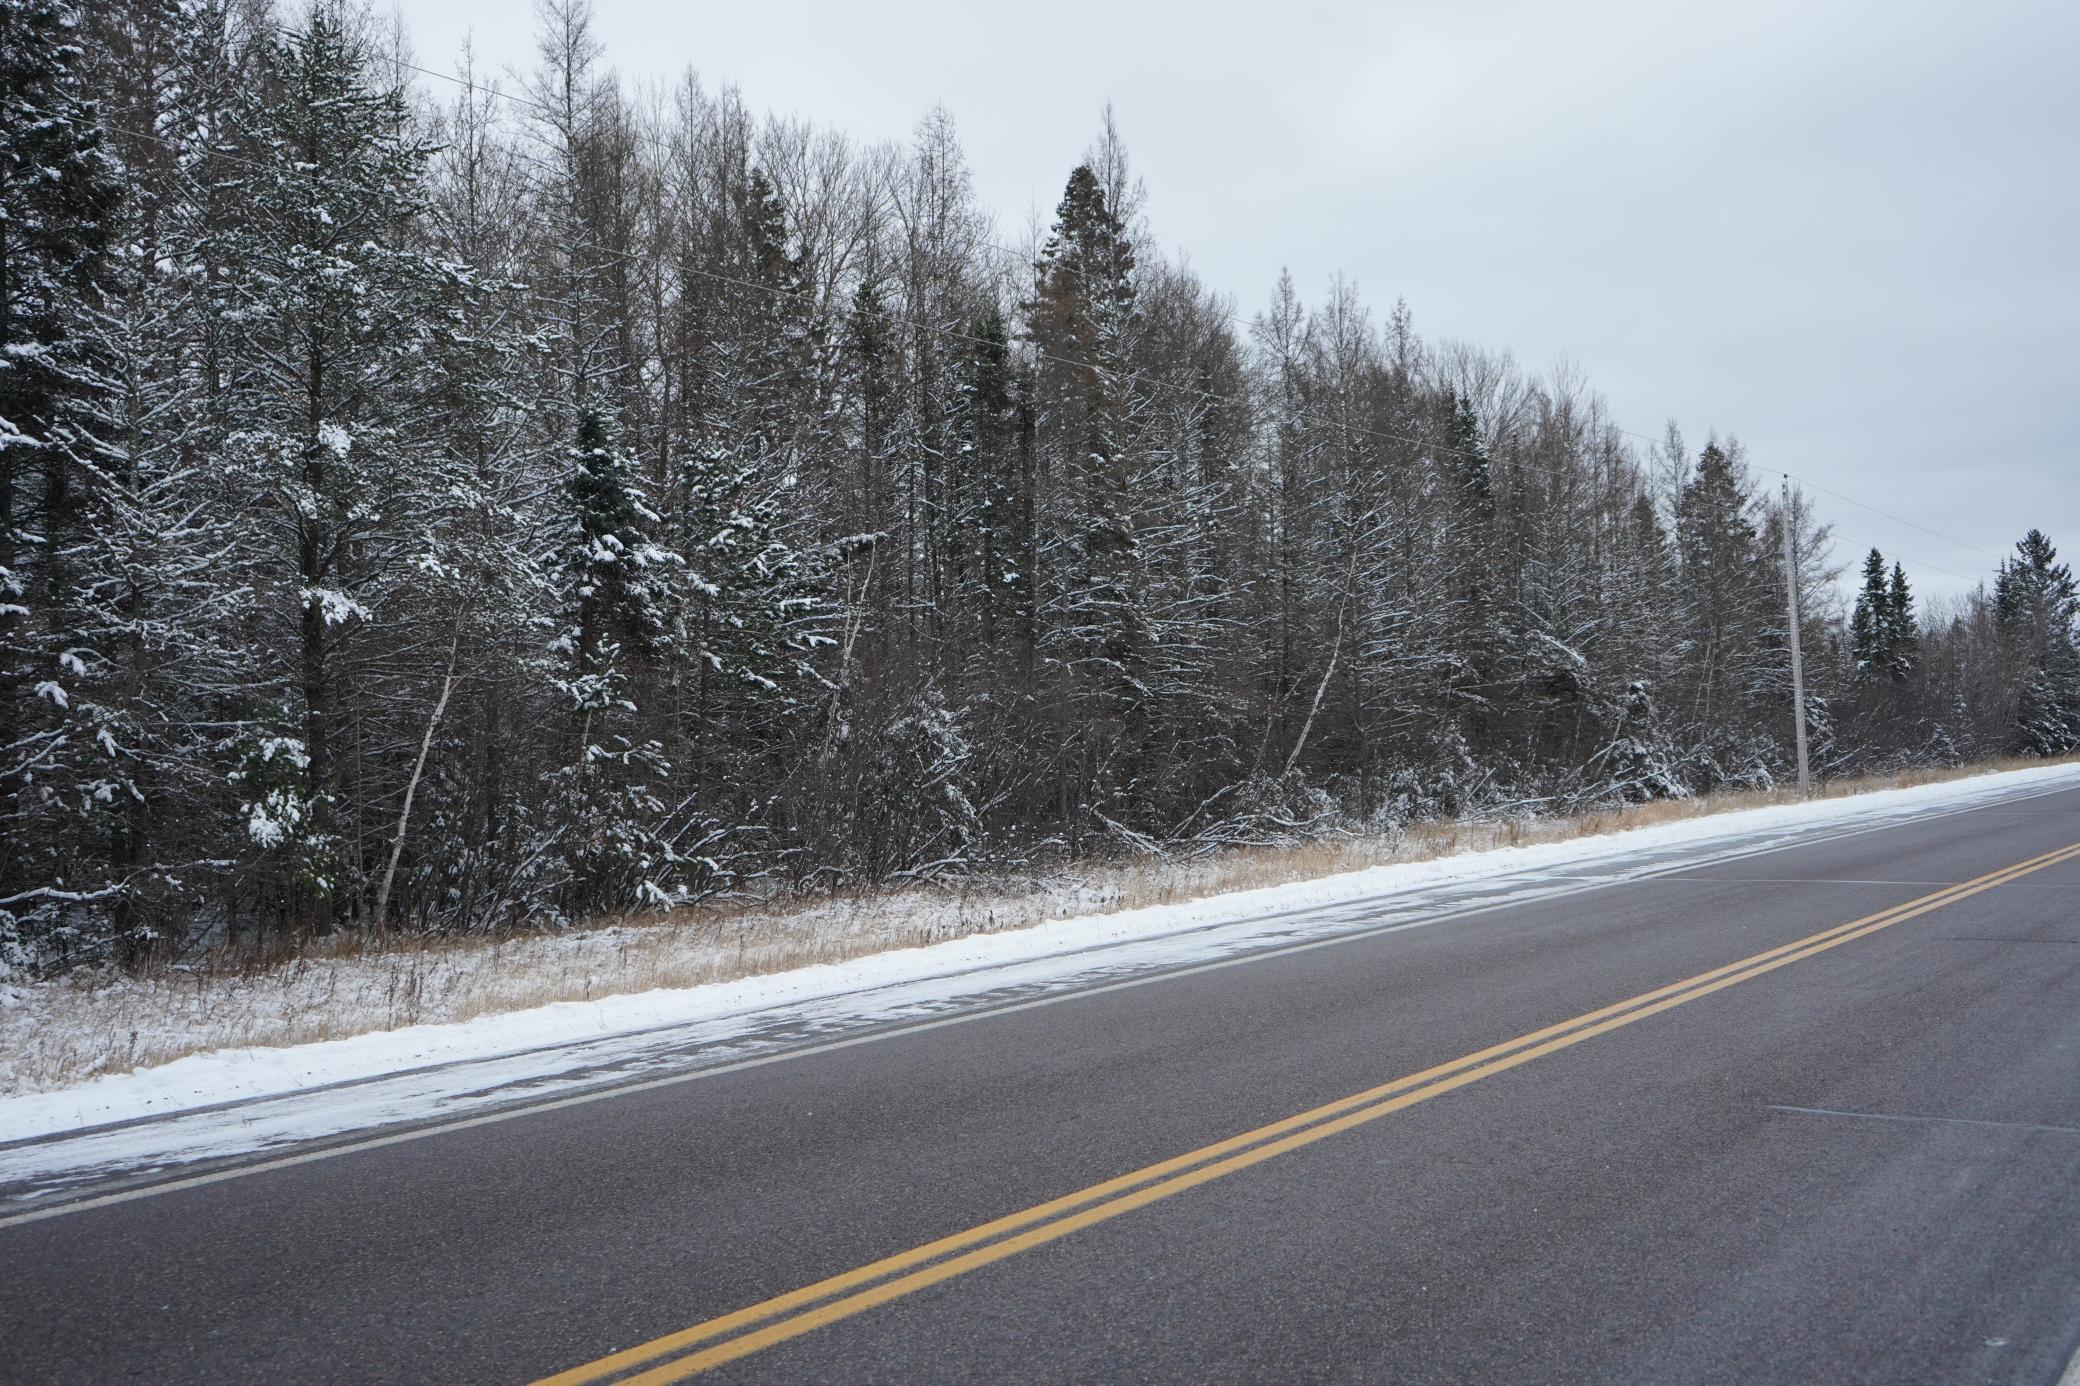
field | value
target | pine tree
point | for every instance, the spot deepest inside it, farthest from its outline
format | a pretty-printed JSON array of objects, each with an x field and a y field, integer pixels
[
  {"x": 331, "y": 323},
  {"x": 58, "y": 196},
  {"x": 161, "y": 589}
]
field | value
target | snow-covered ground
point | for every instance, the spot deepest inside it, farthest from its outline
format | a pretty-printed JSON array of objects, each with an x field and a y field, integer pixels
[{"x": 233, "y": 1102}]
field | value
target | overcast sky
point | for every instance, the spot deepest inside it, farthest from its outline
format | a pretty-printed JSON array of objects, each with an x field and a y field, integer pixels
[{"x": 1846, "y": 232}]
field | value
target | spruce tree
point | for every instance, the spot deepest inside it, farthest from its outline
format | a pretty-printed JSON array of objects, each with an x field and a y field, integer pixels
[
  {"x": 2035, "y": 595},
  {"x": 609, "y": 808},
  {"x": 1902, "y": 632},
  {"x": 1083, "y": 321},
  {"x": 2037, "y": 610},
  {"x": 1727, "y": 606},
  {"x": 1083, "y": 315},
  {"x": 610, "y": 553},
  {"x": 1469, "y": 521},
  {"x": 1870, "y": 625}
]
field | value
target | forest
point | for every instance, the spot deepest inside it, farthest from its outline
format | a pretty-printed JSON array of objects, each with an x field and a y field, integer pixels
[{"x": 442, "y": 500}]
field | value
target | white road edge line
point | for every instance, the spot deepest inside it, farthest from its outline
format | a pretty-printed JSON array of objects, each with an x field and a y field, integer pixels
[
  {"x": 671, "y": 1080},
  {"x": 1912, "y": 1119}
]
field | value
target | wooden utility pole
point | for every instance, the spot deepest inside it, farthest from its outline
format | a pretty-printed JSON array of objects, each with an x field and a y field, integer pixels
[{"x": 1798, "y": 668}]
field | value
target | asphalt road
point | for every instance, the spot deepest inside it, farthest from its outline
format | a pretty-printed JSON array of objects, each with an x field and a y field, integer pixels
[{"x": 1621, "y": 1153}]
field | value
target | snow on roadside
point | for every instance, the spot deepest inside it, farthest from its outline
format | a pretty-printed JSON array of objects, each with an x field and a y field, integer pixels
[{"x": 945, "y": 968}]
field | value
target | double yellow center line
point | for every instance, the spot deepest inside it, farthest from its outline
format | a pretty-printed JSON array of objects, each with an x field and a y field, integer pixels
[{"x": 758, "y": 1326}]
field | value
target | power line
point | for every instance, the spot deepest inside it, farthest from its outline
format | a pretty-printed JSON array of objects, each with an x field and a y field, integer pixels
[
  {"x": 1912, "y": 561},
  {"x": 1896, "y": 519}
]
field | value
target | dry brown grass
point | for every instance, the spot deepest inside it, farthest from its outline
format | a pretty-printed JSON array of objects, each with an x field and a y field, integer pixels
[{"x": 76, "y": 1027}]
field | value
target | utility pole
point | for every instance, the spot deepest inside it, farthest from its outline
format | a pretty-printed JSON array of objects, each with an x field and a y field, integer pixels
[{"x": 1798, "y": 668}]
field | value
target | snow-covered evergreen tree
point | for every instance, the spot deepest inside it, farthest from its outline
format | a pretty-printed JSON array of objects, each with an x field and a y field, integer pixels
[
  {"x": 1870, "y": 630},
  {"x": 333, "y": 325},
  {"x": 614, "y": 571},
  {"x": 1093, "y": 630},
  {"x": 1902, "y": 631},
  {"x": 1728, "y": 607},
  {"x": 59, "y": 198},
  {"x": 2037, "y": 606},
  {"x": 1883, "y": 633}
]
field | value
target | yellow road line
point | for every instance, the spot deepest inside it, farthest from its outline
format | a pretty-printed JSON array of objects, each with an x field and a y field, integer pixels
[
  {"x": 608, "y": 1366},
  {"x": 855, "y": 1291}
]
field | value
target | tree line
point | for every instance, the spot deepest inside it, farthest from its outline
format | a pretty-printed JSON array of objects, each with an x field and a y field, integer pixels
[{"x": 456, "y": 503}]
